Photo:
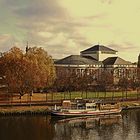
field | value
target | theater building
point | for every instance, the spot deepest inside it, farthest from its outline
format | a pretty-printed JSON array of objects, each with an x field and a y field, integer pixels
[{"x": 95, "y": 60}]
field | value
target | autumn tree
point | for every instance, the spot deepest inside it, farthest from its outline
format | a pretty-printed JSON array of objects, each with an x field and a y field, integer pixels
[
  {"x": 12, "y": 65},
  {"x": 123, "y": 84},
  {"x": 139, "y": 61},
  {"x": 41, "y": 72},
  {"x": 85, "y": 82},
  {"x": 66, "y": 81},
  {"x": 25, "y": 72},
  {"x": 105, "y": 80},
  {"x": 135, "y": 85},
  {"x": 137, "y": 82},
  {"x": 61, "y": 81}
]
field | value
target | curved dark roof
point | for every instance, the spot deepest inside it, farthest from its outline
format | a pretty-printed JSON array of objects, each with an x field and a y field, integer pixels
[
  {"x": 98, "y": 48},
  {"x": 115, "y": 61},
  {"x": 78, "y": 60}
]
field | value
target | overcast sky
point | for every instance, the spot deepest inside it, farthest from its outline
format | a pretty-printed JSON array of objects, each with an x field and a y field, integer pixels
[{"x": 64, "y": 27}]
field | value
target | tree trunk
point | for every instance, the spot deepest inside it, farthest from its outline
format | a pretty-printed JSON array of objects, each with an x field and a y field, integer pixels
[
  {"x": 52, "y": 96},
  {"x": 122, "y": 95},
  {"x": 86, "y": 94},
  {"x": 27, "y": 98},
  {"x": 98, "y": 94},
  {"x": 11, "y": 99},
  {"x": 105, "y": 95},
  {"x": 64, "y": 95},
  {"x": 46, "y": 97},
  {"x": 20, "y": 98},
  {"x": 70, "y": 94},
  {"x": 137, "y": 94},
  {"x": 95, "y": 96},
  {"x": 82, "y": 94},
  {"x": 126, "y": 93},
  {"x": 30, "y": 96},
  {"x": 112, "y": 95}
]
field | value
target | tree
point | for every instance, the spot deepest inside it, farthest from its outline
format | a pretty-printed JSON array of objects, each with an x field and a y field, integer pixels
[
  {"x": 66, "y": 81},
  {"x": 123, "y": 84},
  {"x": 26, "y": 72},
  {"x": 105, "y": 80},
  {"x": 41, "y": 64},
  {"x": 85, "y": 82},
  {"x": 139, "y": 61},
  {"x": 13, "y": 67},
  {"x": 137, "y": 83}
]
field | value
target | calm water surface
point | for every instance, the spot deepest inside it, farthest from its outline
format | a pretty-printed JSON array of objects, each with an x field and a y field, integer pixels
[{"x": 120, "y": 127}]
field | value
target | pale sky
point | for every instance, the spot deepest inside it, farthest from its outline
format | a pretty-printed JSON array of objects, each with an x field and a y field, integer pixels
[{"x": 65, "y": 27}]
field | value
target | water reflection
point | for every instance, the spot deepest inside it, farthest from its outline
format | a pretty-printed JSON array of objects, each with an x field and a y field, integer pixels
[
  {"x": 25, "y": 128},
  {"x": 118, "y": 127},
  {"x": 86, "y": 127}
]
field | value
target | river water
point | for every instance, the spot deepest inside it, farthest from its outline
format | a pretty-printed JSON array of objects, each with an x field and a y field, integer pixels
[{"x": 115, "y": 127}]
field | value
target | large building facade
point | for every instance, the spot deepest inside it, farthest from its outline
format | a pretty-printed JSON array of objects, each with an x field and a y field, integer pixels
[{"x": 95, "y": 60}]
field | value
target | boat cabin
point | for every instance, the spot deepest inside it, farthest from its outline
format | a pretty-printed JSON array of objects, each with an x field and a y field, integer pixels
[
  {"x": 90, "y": 104},
  {"x": 107, "y": 105}
]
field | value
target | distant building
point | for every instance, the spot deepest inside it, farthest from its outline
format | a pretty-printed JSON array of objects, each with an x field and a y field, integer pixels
[
  {"x": 99, "y": 52},
  {"x": 95, "y": 60},
  {"x": 120, "y": 68}
]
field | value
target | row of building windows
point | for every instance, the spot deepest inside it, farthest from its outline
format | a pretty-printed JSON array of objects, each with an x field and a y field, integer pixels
[{"x": 100, "y": 65}]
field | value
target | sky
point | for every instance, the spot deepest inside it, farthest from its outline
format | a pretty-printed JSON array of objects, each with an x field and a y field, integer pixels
[{"x": 66, "y": 27}]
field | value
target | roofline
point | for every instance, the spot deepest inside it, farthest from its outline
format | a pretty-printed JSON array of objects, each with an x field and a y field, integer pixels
[
  {"x": 89, "y": 66},
  {"x": 86, "y": 50}
]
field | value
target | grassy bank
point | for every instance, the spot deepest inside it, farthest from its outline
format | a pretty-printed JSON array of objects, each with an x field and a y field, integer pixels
[
  {"x": 129, "y": 105},
  {"x": 73, "y": 95},
  {"x": 43, "y": 110},
  {"x": 21, "y": 110},
  {"x": 33, "y": 110}
]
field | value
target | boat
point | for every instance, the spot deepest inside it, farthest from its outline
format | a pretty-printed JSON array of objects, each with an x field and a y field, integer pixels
[{"x": 86, "y": 108}]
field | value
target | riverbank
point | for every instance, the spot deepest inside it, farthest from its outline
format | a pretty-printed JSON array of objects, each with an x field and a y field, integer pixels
[
  {"x": 26, "y": 110},
  {"x": 130, "y": 105},
  {"x": 45, "y": 110}
]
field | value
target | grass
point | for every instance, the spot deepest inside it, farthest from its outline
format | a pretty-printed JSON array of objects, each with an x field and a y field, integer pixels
[
  {"x": 73, "y": 95},
  {"x": 93, "y": 95},
  {"x": 59, "y": 96}
]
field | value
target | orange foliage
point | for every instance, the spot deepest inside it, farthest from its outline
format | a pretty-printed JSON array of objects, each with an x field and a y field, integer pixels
[{"x": 24, "y": 72}]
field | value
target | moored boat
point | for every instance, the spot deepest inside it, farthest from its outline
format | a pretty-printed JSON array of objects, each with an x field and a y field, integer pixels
[{"x": 86, "y": 108}]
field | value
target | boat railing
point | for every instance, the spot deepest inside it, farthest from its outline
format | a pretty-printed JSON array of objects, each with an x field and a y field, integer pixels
[
  {"x": 80, "y": 108},
  {"x": 74, "y": 108}
]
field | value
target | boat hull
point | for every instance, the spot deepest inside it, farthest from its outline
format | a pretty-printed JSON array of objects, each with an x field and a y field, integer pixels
[{"x": 84, "y": 113}]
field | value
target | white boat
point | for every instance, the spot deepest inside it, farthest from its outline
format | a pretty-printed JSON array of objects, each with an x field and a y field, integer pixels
[{"x": 86, "y": 108}]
